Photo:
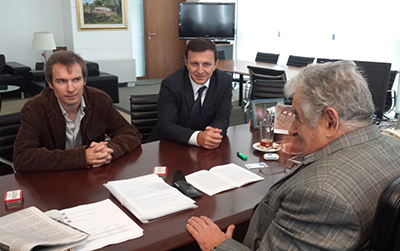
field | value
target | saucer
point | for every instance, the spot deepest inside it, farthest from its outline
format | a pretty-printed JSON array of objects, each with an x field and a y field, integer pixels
[{"x": 275, "y": 147}]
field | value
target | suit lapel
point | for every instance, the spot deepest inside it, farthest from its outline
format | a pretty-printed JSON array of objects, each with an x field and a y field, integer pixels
[
  {"x": 211, "y": 92},
  {"x": 57, "y": 121},
  {"x": 85, "y": 120},
  {"x": 188, "y": 92}
]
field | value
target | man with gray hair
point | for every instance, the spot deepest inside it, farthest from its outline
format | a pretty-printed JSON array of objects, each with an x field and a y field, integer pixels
[{"x": 328, "y": 201}]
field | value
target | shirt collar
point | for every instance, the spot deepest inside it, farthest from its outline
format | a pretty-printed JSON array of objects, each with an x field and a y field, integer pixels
[
  {"x": 81, "y": 107},
  {"x": 196, "y": 86}
]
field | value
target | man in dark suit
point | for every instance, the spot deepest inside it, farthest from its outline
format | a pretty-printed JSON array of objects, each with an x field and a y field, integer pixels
[{"x": 179, "y": 117}]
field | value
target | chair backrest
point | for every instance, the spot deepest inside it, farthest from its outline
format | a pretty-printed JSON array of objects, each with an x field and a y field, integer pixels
[
  {"x": 221, "y": 55},
  {"x": 385, "y": 234},
  {"x": 324, "y": 60},
  {"x": 391, "y": 95},
  {"x": 267, "y": 57},
  {"x": 266, "y": 83},
  {"x": 299, "y": 61},
  {"x": 265, "y": 73},
  {"x": 2, "y": 63},
  {"x": 9, "y": 126},
  {"x": 144, "y": 113},
  {"x": 267, "y": 89}
]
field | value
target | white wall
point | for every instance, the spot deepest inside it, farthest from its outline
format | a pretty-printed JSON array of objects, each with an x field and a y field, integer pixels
[
  {"x": 100, "y": 44},
  {"x": 137, "y": 26},
  {"x": 20, "y": 19},
  {"x": 364, "y": 30}
]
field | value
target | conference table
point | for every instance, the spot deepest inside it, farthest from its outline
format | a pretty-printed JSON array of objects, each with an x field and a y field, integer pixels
[
  {"x": 65, "y": 189},
  {"x": 240, "y": 67}
]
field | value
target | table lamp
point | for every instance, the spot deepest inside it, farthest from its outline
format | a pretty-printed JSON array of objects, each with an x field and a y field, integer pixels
[{"x": 43, "y": 41}]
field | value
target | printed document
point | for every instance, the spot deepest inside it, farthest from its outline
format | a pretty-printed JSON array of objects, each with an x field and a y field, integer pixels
[
  {"x": 221, "y": 178},
  {"x": 149, "y": 197},
  {"x": 104, "y": 221},
  {"x": 30, "y": 227}
]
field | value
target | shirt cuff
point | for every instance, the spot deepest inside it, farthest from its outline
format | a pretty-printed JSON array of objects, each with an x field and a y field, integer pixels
[{"x": 193, "y": 139}]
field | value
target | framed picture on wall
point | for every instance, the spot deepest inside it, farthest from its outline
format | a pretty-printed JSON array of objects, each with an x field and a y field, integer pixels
[
  {"x": 102, "y": 14},
  {"x": 263, "y": 106}
]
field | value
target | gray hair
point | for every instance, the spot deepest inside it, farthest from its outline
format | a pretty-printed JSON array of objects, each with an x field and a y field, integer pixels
[{"x": 339, "y": 85}]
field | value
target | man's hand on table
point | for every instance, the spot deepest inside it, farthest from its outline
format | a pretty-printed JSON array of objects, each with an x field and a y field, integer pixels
[
  {"x": 207, "y": 233},
  {"x": 210, "y": 138},
  {"x": 98, "y": 154}
]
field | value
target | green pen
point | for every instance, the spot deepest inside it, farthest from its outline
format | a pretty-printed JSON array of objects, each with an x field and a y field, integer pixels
[{"x": 242, "y": 156}]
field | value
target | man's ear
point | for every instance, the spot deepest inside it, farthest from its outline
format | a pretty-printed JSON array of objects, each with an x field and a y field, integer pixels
[
  {"x": 50, "y": 85},
  {"x": 332, "y": 120}
]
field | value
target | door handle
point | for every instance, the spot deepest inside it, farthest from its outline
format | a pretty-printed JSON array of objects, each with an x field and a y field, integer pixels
[{"x": 151, "y": 33}]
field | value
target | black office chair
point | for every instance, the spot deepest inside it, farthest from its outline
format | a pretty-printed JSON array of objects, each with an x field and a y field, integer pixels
[
  {"x": 221, "y": 55},
  {"x": 391, "y": 94},
  {"x": 267, "y": 57},
  {"x": 9, "y": 126},
  {"x": 299, "y": 61},
  {"x": 265, "y": 84},
  {"x": 144, "y": 113},
  {"x": 265, "y": 73},
  {"x": 324, "y": 60},
  {"x": 385, "y": 234}
]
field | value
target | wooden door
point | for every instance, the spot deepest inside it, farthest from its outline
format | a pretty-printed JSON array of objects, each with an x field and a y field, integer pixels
[{"x": 164, "y": 50}]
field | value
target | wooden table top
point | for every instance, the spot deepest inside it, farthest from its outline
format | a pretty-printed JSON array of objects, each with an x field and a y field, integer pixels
[
  {"x": 30, "y": 197},
  {"x": 64, "y": 189}
]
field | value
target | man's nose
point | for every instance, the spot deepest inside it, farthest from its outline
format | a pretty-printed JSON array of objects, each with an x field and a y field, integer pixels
[
  {"x": 200, "y": 69},
  {"x": 293, "y": 128},
  {"x": 70, "y": 86}
]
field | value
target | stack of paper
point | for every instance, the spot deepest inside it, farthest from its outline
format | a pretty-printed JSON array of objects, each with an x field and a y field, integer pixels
[
  {"x": 104, "y": 221},
  {"x": 221, "y": 178},
  {"x": 149, "y": 197}
]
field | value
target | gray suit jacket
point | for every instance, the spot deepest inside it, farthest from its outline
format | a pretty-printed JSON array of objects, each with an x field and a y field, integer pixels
[
  {"x": 327, "y": 203},
  {"x": 176, "y": 100}
]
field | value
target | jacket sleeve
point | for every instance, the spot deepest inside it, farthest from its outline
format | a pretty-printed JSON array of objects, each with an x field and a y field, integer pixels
[
  {"x": 169, "y": 105},
  {"x": 310, "y": 219},
  {"x": 30, "y": 155},
  {"x": 223, "y": 114}
]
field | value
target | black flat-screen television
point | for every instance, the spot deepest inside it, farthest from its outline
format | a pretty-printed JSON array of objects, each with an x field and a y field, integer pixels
[
  {"x": 211, "y": 20},
  {"x": 377, "y": 76}
]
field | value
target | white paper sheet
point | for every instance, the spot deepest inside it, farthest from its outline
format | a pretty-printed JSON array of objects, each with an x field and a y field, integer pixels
[
  {"x": 149, "y": 197},
  {"x": 104, "y": 221}
]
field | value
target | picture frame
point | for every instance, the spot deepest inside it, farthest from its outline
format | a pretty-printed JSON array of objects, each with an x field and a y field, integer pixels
[
  {"x": 260, "y": 107},
  {"x": 102, "y": 15}
]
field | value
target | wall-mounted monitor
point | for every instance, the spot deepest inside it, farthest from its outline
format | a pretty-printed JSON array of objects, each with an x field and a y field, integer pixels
[{"x": 211, "y": 20}]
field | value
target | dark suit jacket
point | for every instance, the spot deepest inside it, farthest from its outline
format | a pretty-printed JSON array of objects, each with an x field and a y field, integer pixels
[
  {"x": 176, "y": 100},
  {"x": 40, "y": 143}
]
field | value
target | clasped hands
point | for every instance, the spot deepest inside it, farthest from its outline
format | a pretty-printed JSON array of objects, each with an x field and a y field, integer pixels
[
  {"x": 207, "y": 234},
  {"x": 98, "y": 154},
  {"x": 210, "y": 138}
]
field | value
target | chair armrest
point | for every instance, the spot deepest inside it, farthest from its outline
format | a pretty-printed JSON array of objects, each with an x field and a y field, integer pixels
[
  {"x": 37, "y": 75},
  {"x": 15, "y": 68},
  {"x": 7, "y": 162}
]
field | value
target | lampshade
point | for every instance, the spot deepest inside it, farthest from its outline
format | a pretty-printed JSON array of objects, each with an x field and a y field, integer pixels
[{"x": 43, "y": 41}]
